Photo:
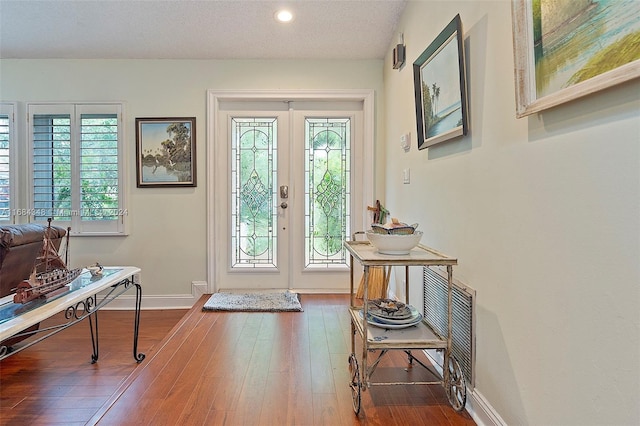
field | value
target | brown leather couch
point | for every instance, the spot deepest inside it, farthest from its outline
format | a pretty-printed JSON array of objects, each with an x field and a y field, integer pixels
[{"x": 20, "y": 245}]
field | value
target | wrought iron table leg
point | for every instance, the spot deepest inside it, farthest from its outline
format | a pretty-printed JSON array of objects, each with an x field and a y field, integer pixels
[
  {"x": 136, "y": 327},
  {"x": 93, "y": 319}
]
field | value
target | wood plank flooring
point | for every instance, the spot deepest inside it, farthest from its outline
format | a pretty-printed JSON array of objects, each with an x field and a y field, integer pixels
[
  {"x": 54, "y": 382},
  {"x": 215, "y": 368}
]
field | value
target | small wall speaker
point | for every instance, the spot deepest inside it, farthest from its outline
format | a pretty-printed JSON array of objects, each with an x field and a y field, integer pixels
[{"x": 398, "y": 56}]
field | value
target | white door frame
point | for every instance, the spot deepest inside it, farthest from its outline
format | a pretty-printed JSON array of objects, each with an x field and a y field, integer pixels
[{"x": 214, "y": 97}]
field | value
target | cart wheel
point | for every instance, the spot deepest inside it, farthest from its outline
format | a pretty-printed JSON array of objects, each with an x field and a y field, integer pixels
[
  {"x": 456, "y": 388},
  {"x": 355, "y": 385}
]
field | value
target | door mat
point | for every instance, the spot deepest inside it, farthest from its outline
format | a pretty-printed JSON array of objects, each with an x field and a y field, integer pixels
[{"x": 254, "y": 302}]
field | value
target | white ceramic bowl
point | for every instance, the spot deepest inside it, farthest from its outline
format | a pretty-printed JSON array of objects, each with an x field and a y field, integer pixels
[{"x": 394, "y": 244}]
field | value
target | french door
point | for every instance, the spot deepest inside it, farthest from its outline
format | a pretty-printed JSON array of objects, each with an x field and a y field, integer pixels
[{"x": 288, "y": 191}]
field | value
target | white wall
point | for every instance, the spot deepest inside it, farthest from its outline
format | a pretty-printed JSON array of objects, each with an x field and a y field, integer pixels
[
  {"x": 168, "y": 225},
  {"x": 544, "y": 215}
]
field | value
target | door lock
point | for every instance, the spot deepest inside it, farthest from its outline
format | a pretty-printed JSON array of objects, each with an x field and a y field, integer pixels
[
  {"x": 284, "y": 205},
  {"x": 284, "y": 192}
]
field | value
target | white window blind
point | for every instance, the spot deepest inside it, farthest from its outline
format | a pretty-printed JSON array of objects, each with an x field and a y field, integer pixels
[
  {"x": 77, "y": 172},
  {"x": 7, "y": 115}
]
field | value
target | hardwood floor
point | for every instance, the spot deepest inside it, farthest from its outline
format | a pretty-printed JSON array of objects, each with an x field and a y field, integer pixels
[
  {"x": 54, "y": 382},
  {"x": 215, "y": 368}
]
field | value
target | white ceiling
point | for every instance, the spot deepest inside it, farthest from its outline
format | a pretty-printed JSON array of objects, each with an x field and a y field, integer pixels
[{"x": 189, "y": 29}]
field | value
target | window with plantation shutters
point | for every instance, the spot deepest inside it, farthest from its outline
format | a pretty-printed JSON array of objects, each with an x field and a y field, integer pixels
[
  {"x": 51, "y": 156},
  {"x": 6, "y": 140},
  {"x": 99, "y": 166},
  {"x": 76, "y": 166}
]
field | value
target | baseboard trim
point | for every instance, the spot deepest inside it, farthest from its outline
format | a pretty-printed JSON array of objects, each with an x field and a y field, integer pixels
[
  {"x": 477, "y": 405},
  {"x": 483, "y": 410},
  {"x": 186, "y": 301},
  {"x": 164, "y": 301}
]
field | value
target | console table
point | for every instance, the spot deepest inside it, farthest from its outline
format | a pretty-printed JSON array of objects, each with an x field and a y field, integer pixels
[{"x": 86, "y": 296}]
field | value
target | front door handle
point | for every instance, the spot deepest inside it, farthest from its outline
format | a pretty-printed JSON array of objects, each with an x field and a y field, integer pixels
[
  {"x": 284, "y": 205},
  {"x": 284, "y": 192}
]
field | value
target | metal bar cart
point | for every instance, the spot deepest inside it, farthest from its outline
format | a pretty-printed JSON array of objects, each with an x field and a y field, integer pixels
[{"x": 419, "y": 337}]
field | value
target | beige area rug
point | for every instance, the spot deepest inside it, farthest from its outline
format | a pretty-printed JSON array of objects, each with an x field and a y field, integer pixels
[{"x": 254, "y": 302}]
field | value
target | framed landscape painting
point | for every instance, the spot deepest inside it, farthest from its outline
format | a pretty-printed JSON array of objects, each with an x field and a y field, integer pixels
[
  {"x": 166, "y": 152},
  {"x": 564, "y": 50},
  {"x": 440, "y": 88}
]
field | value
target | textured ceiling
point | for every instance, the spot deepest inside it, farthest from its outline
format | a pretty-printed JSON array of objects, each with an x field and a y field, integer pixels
[{"x": 187, "y": 29}]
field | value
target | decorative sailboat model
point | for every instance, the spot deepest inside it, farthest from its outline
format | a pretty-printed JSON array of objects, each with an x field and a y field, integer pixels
[{"x": 50, "y": 273}]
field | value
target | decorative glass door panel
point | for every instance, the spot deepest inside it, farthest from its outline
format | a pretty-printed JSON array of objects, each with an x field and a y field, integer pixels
[
  {"x": 327, "y": 190},
  {"x": 254, "y": 242}
]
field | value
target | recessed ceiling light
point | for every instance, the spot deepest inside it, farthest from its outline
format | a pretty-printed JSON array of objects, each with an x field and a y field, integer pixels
[{"x": 283, "y": 16}]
